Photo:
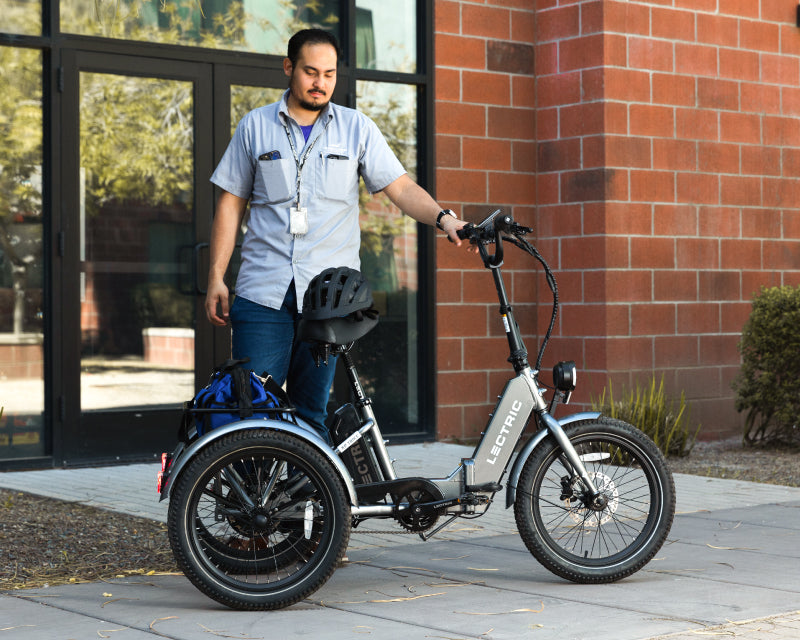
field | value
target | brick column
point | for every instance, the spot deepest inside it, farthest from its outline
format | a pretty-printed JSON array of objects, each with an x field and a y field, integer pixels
[{"x": 485, "y": 158}]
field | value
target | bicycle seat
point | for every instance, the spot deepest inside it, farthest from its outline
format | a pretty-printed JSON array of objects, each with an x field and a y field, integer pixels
[{"x": 336, "y": 331}]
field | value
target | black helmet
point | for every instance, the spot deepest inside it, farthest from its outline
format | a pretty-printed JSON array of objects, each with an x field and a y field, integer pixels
[
  {"x": 335, "y": 293},
  {"x": 337, "y": 310}
]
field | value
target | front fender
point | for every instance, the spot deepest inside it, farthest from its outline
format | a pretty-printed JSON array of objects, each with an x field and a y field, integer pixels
[
  {"x": 522, "y": 457},
  {"x": 302, "y": 430}
]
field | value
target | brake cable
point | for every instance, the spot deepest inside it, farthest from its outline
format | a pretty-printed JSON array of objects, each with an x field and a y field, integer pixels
[{"x": 528, "y": 248}]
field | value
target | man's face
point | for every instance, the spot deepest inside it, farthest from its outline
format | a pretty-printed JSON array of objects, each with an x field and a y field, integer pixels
[{"x": 313, "y": 79}]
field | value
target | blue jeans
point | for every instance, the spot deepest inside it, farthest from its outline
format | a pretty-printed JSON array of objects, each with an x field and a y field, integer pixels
[{"x": 268, "y": 337}]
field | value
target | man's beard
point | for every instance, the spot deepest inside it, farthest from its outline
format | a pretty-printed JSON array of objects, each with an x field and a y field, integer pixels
[
  {"x": 305, "y": 104},
  {"x": 312, "y": 106}
]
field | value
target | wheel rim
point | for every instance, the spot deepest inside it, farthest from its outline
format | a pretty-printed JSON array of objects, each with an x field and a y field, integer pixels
[
  {"x": 589, "y": 537},
  {"x": 258, "y": 520}
]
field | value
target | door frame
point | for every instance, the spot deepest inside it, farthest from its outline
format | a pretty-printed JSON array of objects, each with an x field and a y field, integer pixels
[{"x": 117, "y": 435}]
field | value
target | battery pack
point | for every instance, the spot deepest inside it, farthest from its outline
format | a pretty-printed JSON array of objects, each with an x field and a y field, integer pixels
[{"x": 359, "y": 458}]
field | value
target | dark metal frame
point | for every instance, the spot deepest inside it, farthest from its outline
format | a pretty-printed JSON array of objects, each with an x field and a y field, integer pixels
[{"x": 61, "y": 54}]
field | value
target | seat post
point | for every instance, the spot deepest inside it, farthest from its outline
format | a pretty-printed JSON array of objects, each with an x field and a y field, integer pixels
[{"x": 352, "y": 377}]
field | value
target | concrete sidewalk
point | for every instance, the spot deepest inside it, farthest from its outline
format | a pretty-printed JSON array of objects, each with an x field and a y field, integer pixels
[{"x": 732, "y": 559}]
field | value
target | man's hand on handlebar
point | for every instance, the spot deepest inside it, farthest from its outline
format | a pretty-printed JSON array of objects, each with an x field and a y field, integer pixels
[
  {"x": 492, "y": 228},
  {"x": 451, "y": 227}
]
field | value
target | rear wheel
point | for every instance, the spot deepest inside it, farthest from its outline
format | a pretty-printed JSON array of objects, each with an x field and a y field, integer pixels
[
  {"x": 259, "y": 520},
  {"x": 593, "y": 543}
]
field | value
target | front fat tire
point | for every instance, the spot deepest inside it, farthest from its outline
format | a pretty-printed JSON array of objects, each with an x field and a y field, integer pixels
[
  {"x": 267, "y": 558},
  {"x": 587, "y": 546}
]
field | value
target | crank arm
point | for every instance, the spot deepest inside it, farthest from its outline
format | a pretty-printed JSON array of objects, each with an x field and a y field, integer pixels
[
  {"x": 427, "y": 535},
  {"x": 425, "y": 508}
]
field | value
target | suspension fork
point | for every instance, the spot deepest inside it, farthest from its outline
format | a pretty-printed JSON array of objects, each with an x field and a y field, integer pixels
[{"x": 556, "y": 430}]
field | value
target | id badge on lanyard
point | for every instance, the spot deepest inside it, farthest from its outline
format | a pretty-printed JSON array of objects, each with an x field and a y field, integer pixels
[
  {"x": 298, "y": 216},
  {"x": 298, "y": 221}
]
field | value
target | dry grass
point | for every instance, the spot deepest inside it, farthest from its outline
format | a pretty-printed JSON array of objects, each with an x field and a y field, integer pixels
[{"x": 49, "y": 542}]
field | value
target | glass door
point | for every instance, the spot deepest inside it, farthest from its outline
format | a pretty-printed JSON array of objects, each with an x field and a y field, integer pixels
[
  {"x": 22, "y": 257},
  {"x": 136, "y": 208}
]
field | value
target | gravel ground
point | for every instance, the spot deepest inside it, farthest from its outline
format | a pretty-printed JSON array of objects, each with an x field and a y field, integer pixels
[
  {"x": 729, "y": 459},
  {"x": 50, "y": 542}
]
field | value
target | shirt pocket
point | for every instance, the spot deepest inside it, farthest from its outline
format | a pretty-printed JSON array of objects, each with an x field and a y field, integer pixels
[
  {"x": 274, "y": 181},
  {"x": 339, "y": 178}
]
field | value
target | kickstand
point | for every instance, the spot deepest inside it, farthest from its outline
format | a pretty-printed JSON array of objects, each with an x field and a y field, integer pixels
[{"x": 425, "y": 537}]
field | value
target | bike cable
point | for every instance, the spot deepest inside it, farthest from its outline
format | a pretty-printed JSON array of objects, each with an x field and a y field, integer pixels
[{"x": 527, "y": 247}]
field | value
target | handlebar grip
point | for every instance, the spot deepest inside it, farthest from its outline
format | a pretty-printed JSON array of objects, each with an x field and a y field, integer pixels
[{"x": 465, "y": 232}]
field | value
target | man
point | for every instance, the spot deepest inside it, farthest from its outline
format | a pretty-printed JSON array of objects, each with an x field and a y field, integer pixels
[{"x": 298, "y": 161}]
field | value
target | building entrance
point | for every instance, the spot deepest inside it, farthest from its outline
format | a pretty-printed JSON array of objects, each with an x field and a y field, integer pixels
[{"x": 138, "y": 143}]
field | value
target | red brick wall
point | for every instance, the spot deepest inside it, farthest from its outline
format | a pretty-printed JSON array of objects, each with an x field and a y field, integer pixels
[
  {"x": 664, "y": 141},
  {"x": 485, "y": 158}
]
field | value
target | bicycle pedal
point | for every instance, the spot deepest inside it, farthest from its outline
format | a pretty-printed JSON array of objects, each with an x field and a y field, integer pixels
[{"x": 486, "y": 487}]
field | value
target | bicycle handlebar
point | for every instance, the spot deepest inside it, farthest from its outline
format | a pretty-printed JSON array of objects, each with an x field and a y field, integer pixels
[
  {"x": 489, "y": 229},
  {"x": 493, "y": 229}
]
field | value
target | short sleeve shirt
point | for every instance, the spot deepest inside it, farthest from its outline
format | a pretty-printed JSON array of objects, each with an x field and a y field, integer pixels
[{"x": 259, "y": 165}]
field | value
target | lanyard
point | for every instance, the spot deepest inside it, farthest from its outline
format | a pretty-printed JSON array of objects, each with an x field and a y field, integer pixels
[{"x": 300, "y": 163}]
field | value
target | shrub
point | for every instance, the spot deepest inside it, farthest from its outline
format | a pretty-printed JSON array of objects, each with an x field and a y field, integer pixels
[
  {"x": 768, "y": 385},
  {"x": 650, "y": 410}
]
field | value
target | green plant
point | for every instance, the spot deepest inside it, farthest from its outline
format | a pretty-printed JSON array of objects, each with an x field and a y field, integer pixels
[
  {"x": 768, "y": 385},
  {"x": 649, "y": 409}
]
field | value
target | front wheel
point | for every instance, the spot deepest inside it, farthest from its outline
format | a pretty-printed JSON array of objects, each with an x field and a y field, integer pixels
[
  {"x": 590, "y": 543},
  {"x": 259, "y": 520}
]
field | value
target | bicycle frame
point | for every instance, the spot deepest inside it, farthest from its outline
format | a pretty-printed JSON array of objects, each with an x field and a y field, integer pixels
[
  {"x": 481, "y": 474},
  {"x": 259, "y": 516}
]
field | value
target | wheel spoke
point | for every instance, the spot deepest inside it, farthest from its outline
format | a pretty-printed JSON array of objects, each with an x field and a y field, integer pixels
[
  {"x": 571, "y": 536},
  {"x": 259, "y": 521},
  {"x": 277, "y": 472}
]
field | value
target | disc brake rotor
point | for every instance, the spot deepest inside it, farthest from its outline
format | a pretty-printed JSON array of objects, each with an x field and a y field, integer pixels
[{"x": 580, "y": 514}]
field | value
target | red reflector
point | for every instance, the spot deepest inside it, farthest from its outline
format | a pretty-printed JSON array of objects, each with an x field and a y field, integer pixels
[{"x": 166, "y": 460}]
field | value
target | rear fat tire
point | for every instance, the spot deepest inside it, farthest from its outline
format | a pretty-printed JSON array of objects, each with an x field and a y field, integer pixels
[
  {"x": 588, "y": 546},
  {"x": 270, "y": 556}
]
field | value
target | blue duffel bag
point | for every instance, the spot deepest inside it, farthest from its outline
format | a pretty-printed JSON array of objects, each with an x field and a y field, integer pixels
[{"x": 234, "y": 393}]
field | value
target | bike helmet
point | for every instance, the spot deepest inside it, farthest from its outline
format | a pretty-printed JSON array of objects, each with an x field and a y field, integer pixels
[
  {"x": 337, "y": 310},
  {"x": 335, "y": 293}
]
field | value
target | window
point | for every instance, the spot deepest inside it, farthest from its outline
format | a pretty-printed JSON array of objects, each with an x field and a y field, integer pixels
[
  {"x": 21, "y": 16},
  {"x": 386, "y": 35},
  {"x": 68, "y": 66},
  {"x": 389, "y": 261},
  {"x": 21, "y": 267},
  {"x": 244, "y": 25}
]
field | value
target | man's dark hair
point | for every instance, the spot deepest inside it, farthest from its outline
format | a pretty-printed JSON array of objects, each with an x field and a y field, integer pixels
[{"x": 310, "y": 36}]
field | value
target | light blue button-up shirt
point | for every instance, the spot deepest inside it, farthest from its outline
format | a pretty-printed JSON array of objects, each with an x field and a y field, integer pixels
[{"x": 344, "y": 144}]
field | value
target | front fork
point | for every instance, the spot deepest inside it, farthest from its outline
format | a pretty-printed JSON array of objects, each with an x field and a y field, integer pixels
[{"x": 596, "y": 499}]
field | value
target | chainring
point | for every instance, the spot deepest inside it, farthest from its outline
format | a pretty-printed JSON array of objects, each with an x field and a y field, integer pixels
[{"x": 416, "y": 522}]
